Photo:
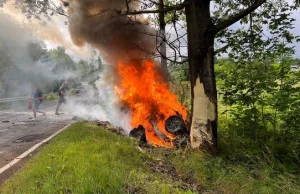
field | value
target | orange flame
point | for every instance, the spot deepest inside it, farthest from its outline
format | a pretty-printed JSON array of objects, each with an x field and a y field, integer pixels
[{"x": 146, "y": 93}]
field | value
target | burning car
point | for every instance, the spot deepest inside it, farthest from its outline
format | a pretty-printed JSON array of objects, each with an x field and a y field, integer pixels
[
  {"x": 152, "y": 105},
  {"x": 174, "y": 125}
]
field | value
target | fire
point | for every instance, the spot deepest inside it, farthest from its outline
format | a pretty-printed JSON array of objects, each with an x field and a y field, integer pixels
[{"x": 146, "y": 93}]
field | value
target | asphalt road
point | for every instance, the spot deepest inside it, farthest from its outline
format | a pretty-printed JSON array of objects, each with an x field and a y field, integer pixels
[{"x": 18, "y": 132}]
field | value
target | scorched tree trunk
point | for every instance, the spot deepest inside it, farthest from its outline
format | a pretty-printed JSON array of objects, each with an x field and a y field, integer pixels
[
  {"x": 163, "y": 46},
  {"x": 203, "y": 130}
]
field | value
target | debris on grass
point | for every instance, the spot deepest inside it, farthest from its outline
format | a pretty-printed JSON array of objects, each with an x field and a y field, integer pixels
[{"x": 107, "y": 125}]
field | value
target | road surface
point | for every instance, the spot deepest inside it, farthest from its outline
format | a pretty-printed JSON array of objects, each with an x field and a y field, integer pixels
[{"x": 18, "y": 132}]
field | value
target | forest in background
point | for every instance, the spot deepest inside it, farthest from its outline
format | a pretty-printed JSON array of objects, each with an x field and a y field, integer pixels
[
  {"x": 259, "y": 106},
  {"x": 47, "y": 68}
]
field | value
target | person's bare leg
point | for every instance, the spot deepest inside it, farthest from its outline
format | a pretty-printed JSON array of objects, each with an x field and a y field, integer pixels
[
  {"x": 34, "y": 113},
  {"x": 59, "y": 104},
  {"x": 44, "y": 113}
]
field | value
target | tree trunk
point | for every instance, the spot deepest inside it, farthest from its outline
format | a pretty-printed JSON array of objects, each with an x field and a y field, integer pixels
[
  {"x": 162, "y": 48},
  {"x": 203, "y": 131}
]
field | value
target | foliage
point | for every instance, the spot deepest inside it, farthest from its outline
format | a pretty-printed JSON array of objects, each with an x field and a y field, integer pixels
[
  {"x": 262, "y": 100},
  {"x": 264, "y": 32},
  {"x": 73, "y": 91},
  {"x": 257, "y": 87},
  {"x": 52, "y": 96},
  {"x": 36, "y": 50},
  {"x": 63, "y": 62},
  {"x": 180, "y": 85},
  {"x": 16, "y": 71},
  {"x": 5, "y": 106},
  {"x": 89, "y": 71}
]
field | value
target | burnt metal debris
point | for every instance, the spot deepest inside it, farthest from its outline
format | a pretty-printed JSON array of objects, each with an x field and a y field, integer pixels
[
  {"x": 174, "y": 125},
  {"x": 139, "y": 133},
  {"x": 107, "y": 125}
]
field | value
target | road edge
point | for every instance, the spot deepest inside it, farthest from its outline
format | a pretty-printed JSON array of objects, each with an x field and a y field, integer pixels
[{"x": 30, "y": 150}]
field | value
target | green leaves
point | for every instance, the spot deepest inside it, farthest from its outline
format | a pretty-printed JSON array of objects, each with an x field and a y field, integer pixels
[
  {"x": 261, "y": 34},
  {"x": 262, "y": 99}
]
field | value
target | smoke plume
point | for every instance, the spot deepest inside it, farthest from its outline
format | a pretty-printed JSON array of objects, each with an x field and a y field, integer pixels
[
  {"x": 19, "y": 68},
  {"x": 116, "y": 37},
  {"x": 119, "y": 38},
  {"x": 53, "y": 31}
]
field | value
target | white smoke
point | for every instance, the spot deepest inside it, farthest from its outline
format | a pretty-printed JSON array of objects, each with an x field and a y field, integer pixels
[
  {"x": 90, "y": 106},
  {"x": 21, "y": 67},
  {"x": 100, "y": 104}
]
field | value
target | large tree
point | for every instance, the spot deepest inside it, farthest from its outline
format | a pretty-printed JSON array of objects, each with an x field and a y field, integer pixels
[
  {"x": 201, "y": 33},
  {"x": 206, "y": 21}
]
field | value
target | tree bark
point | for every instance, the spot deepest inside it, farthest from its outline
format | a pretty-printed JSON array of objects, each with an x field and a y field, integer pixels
[
  {"x": 162, "y": 48},
  {"x": 203, "y": 130}
]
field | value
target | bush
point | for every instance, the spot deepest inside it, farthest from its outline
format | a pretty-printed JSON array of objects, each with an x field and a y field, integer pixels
[
  {"x": 52, "y": 97},
  {"x": 73, "y": 91}
]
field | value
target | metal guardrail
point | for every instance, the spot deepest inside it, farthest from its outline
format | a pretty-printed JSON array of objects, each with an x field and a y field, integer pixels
[
  {"x": 19, "y": 98},
  {"x": 3, "y": 100}
]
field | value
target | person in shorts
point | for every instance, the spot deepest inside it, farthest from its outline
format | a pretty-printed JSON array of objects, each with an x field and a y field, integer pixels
[
  {"x": 61, "y": 94},
  {"x": 37, "y": 98}
]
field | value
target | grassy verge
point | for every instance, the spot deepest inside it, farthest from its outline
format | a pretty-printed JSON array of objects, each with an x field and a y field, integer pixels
[
  {"x": 52, "y": 96},
  {"x": 5, "y": 106},
  {"x": 89, "y": 159}
]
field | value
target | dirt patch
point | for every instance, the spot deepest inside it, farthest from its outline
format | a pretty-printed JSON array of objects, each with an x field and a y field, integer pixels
[
  {"x": 166, "y": 168},
  {"x": 30, "y": 138}
]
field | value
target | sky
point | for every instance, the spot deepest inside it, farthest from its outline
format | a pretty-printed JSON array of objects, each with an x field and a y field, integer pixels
[
  {"x": 56, "y": 33},
  {"x": 296, "y": 31}
]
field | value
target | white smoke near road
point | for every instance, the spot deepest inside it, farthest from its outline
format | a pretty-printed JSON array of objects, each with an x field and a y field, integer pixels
[
  {"x": 100, "y": 106},
  {"x": 99, "y": 103},
  {"x": 21, "y": 63}
]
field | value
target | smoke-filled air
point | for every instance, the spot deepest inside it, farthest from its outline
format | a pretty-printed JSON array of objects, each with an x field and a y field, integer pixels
[
  {"x": 24, "y": 59},
  {"x": 129, "y": 90},
  {"x": 116, "y": 37},
  {"x": 124, "y": 43}
]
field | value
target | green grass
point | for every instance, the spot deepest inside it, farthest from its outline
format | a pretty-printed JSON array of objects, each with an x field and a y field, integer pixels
[
  {"x": 89, "y": 159},
  {"x": 52, "y": 96},
  {"x": 5, "y": 106}
]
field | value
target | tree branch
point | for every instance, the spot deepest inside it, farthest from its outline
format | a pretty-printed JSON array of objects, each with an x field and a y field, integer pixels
[
  {"x": 166, "y": 9},
  {"x": 101, "y": 12},
  {"x": 234, "y": 18},
  {"x": 57, "y": 10},
  {"x": 222, "y": 49}
]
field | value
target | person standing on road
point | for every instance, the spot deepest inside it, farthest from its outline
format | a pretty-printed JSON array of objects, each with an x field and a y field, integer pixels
[
  {"x": 62, "y": 99},
  {"x": 37, "y": 98}
]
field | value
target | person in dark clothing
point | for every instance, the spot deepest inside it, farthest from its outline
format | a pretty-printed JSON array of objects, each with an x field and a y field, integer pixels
[
  {"x": 61, "y": 94},
  {"x": 37, "y": 98}
]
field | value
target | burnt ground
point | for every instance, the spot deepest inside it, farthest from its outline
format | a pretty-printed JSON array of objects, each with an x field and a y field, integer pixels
[{"x": 18, "y": 132}]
